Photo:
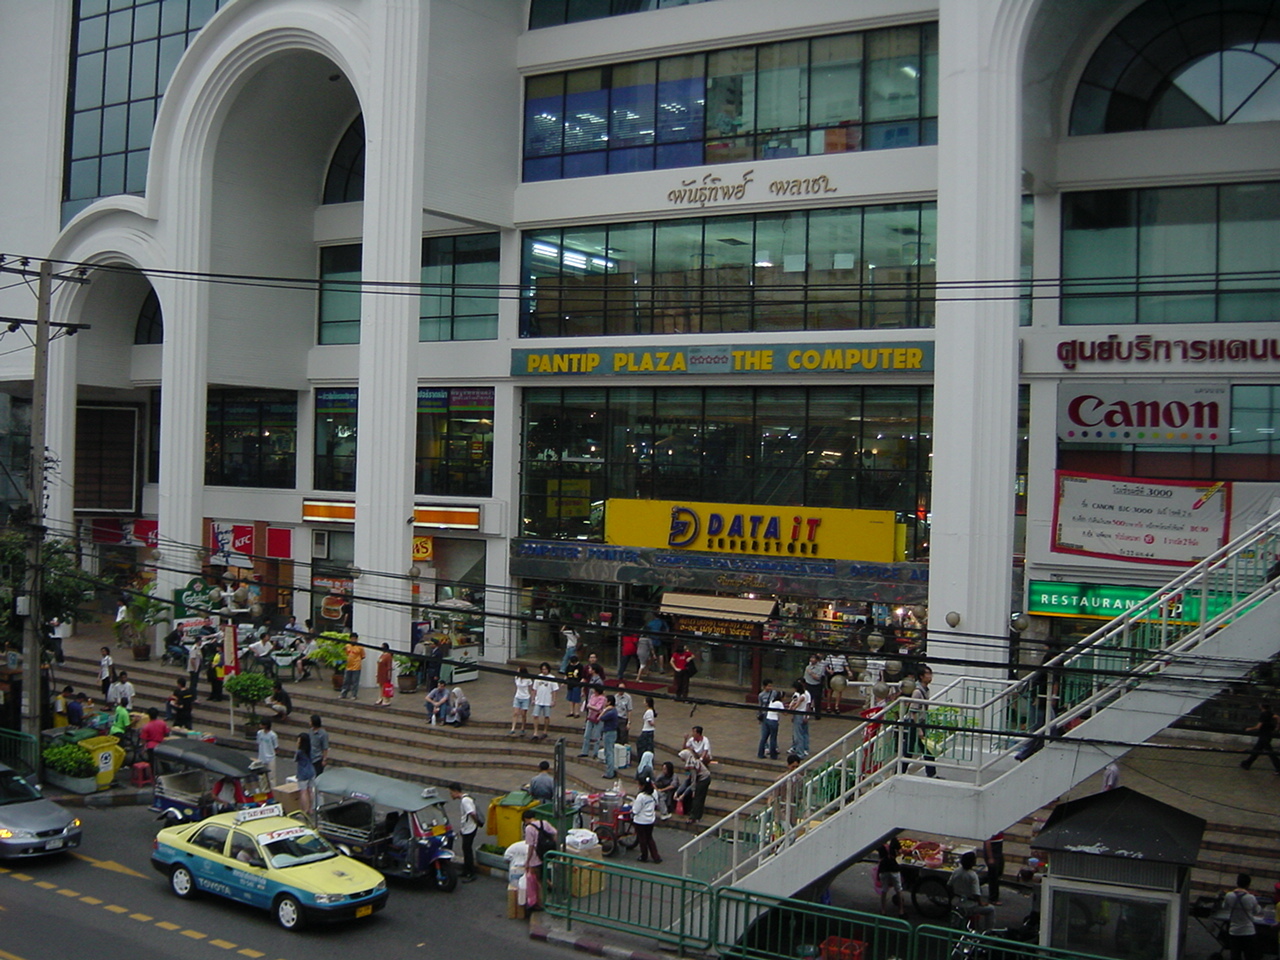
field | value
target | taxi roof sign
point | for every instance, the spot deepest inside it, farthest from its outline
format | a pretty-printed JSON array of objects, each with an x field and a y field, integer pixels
[{"x": 259, "y": 813}]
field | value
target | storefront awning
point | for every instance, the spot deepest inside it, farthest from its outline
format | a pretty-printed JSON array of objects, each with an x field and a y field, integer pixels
[{"x": 717, "y": 608}]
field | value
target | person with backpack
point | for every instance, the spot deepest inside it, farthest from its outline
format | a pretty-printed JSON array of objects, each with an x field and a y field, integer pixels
[
  {"x": 1242, "y": 910},
  {"x": 541, "y": 838},
  {"x": 469, "y": 823}
]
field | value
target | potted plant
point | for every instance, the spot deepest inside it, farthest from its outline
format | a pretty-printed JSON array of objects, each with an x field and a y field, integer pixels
[
  {"x": 249, "y": 690},
  {"x": 142, "y": 613},
  {"x": 71, "y": 767},
  {"x": 331, "y": 650},
  {"x": 406, "y": 672}
]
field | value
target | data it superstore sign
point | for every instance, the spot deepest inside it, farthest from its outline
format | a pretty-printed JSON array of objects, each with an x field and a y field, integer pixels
[
  {"x": 1100, "y": 601},
  {"x": 848, "y": 357}
]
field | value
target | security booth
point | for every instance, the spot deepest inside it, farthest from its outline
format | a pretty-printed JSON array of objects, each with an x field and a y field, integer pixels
[{"x": 1119, "y": 876}]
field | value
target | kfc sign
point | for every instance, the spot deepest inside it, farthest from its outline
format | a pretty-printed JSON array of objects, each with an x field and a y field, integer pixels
[
  {"x": 229, "y": 543},
  {"x": 1145, "y": 414}
]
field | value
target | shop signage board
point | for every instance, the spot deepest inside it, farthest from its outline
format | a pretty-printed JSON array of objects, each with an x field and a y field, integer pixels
[
  {"x": 1145, "y": 414},
  {"x": 1104, "y": 601},
  {"x": 848, "y": 357},
  {"x": 738, "y": 529},
  {"x": 1176, "y": 522},
  {"x": 193, "y": 599}
]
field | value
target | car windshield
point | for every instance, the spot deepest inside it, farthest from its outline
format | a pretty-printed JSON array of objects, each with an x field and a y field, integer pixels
[
  {"x": 288, "y": 848},
  {"x": 13, "y": 789}
]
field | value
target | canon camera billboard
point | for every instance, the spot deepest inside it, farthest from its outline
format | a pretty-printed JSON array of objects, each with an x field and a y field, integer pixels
[{"x": 1177, "y": 413}]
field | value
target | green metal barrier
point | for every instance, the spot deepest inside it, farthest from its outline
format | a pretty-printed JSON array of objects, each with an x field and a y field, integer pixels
[
  {"x": 670, "y": 909},
  {"x": 946, "y": 943},
  {"x": 755, "y": 926},
  {"x": 20, "y": 751}
]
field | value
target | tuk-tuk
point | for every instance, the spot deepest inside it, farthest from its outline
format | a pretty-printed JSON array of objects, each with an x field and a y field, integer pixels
[
  {"x": 194, "y": 780},
  {"x": 397, "y": 827}
]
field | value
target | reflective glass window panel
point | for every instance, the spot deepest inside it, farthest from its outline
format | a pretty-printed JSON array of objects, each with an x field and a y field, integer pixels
[
  {"x": 731, "y": 92},
  {"x": 1099, "y": 257},
  {"x": 544, "y": 115},
  {"x": 782, "y": 85},
  {"x": 677, "y": 276},
  {"x": 1249, "y": 252},
  {"x": 632, "y": 103},
  {"x": 340, "y": 294},
  {"x": 455, "y": 441},
  {"x": 681, "y": 99},
  {"x": 893, "y": 73},
  {"x": 335, "y": 454},
  {"x": 251, "y": 438},
  {"x": 1177, "y": 241},
  {"x": 778, "y": 272},
  {"x": 835, "y": 81},
  {"x": 586, "y": 112}
]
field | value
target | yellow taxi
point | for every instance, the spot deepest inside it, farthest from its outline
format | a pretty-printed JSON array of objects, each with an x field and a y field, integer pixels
[{"x": 263, "y": 858}]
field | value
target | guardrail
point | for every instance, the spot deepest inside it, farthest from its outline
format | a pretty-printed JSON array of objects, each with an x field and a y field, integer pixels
[
  {"x": 773, "y": 927},
  {"x": 976, "y": 726},
  {"x": 20, "y": 751},
  {"x": 949, "y": 943}
]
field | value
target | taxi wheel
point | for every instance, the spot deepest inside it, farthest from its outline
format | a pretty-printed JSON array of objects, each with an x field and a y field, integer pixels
[
  {"x": 446, "y": 877},
  {"x": 182, "y": 883},
  {"x": 289, "y": 913}
]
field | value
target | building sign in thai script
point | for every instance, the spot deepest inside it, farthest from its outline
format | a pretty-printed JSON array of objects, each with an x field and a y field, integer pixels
[
  {"x": 1145, "y": 414},
  {"x": 869, "y": 535},
  {"x": 711, "y": 188},
  {"x": 915, "y": 356},
  {"x": 1145, "y": 349},
  {"x": 1178, "y": 522},
  {"x": 1104, "y": 601}
]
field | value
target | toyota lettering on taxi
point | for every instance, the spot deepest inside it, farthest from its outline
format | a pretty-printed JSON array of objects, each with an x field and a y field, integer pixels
[{"x": 270, "y": 861}]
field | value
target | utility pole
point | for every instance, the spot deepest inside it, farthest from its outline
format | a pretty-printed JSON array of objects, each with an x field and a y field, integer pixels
[{"x": 32, "y": 688}]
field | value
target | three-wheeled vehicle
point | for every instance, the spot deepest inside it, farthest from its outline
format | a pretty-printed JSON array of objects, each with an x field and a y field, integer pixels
[
  {"x": 194, "y": 780},
  {"x": 399, "y": 828}
]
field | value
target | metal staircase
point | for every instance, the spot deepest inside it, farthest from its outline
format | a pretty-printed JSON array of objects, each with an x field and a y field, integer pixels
[{"x": 1006, "y": 748}]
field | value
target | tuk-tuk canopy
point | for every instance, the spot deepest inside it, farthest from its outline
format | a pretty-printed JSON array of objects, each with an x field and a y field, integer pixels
[
  {"x": 222, "y": 761},
  {"x": 384, "y": 791}
]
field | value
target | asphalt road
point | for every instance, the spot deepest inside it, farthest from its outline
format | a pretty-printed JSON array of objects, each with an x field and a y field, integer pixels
[{"x": 105, "y": 902}]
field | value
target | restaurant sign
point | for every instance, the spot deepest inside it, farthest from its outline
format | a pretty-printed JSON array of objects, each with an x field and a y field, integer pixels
[
  {"x": 1103, "y": 601},
  {"x": 847, "y": 357}
]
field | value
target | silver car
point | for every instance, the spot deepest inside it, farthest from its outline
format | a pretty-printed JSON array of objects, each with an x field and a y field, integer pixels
[{"x": 31, "y": 826}]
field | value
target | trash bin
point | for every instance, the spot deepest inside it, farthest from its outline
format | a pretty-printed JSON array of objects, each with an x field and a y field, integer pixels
[
  {"x": 107, "y": 756},
  {"x": 563, "y": 823},
  {"x": 506, "y": 817}
]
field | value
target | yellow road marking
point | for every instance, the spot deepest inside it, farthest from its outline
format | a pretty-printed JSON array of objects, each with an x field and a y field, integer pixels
[
  {"x": 9, "y": 956},
  {"x": 166, "y": 925},
  {"x": 46, "y": 885},
  {"x": 194, "y": 934},
  {"x": 5, "y": 870},
  {"x": 224, "y": 944},
  {"x": 92, "y": 901},
  {"x": 115, "y": 908},
  {"x": 246, "y": 952},
  {"x": 140, "y": 917},
  {"x": 64, "y": 892},
  {"x": 22, "y": 876},
  {"x": 109, "y": 865}
]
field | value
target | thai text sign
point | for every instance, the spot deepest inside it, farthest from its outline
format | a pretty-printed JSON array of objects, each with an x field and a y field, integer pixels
[
  {"x": 746, "y": 529},
  {"x": 1145, "y": 414},
  {"x": 914, "y": 356},
  {"x": 1176, "y": 522}
]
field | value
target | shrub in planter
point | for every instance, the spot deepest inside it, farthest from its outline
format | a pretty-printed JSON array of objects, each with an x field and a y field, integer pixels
[
  {"x": 331, "y": 650},
  {"x": 70, "y": 760},
  {"x": 407, "y": 672},
  {"x": 249, "y": 690}
]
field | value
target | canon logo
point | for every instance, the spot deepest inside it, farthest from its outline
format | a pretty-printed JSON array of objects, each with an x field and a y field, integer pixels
[{"x": 1087, "y": 410}]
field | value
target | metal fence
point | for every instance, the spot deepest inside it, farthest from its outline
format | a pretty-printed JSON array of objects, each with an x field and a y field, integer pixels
[
  {"x": 949, "y": 943},
  {"x": 20, "y": 751},
  {"x": 754, "y": 926}
]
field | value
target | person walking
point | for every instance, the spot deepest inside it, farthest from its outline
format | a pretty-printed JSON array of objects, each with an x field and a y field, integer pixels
[
  {"x": 628, "y": 650},
  {"x": 815, "y": 681},
  {"x": 386, "y": 688},
  {"x": 609, "y": 735},
  {"x": 306, "y": 774},
  {"x": 351, "y": 675},
  {"x": 768, "y": 724},
  {"x": 800, "y": 707},
  {"x": 1264, "y": 730},
  {"x": 993, "y": 857},
  {"x": 319, "y": 744},
  {"x": 644, "y": 814},
  {"x": 889, "y": 875},
  {"x": 655, "y": 630},
  {"x": 917, "y": 715},
  {"x": 644, "y": 654},
  {"x": 268, "y": 742},
  {"x": 648, "y": 728},
  {"x": 468, "y": 825},
  {"x": 544, "y": 701},
  {"x": 1242, "y": 911},
  {"x": 837, "y": 667},
  {"x": 684, "y": 665},
  {"x": 520, "y": 702}
]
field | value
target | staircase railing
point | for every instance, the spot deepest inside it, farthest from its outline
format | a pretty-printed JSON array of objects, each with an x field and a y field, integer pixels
[{"x": 976, "y": 726}]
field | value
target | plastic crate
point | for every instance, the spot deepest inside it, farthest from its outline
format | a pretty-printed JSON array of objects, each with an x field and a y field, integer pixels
[{"x": 841, "y": 948}]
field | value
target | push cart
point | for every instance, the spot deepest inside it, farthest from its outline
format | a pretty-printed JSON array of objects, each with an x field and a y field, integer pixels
[{"x": 1216, "y": 919}]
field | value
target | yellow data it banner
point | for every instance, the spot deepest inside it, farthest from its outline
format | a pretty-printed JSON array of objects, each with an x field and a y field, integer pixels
[{"x": 868, "y": 535}]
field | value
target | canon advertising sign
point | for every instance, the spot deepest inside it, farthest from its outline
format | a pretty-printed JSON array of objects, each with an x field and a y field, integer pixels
[{"x": 1181, "y": 413}]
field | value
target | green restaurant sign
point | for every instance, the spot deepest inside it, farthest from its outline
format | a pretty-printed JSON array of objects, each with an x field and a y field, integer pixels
[{"x": 1099, "y": 601}]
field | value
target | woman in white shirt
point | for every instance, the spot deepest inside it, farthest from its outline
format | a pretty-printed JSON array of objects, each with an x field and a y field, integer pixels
[
  {"x": 800, "y": 706},
  {"x": 544, "y": 701},
  {"x": 648, "y": 726},
  {"x": 105, "y": 669},
  {"x": 520, "y": 703},
  {"x": 644, "y": 812}
]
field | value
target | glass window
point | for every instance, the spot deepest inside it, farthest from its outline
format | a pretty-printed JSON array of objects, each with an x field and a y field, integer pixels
[
  {"x": 340, "y": 294},
  {"x": 804, "y": 270},
  {"x": 632, "y": 104},
  {"x": 460, "y": 295},
  {"x": 893, "y": 73},
  {"x": 335, "y": 463},
  {"x": 251, "y": 438},
  {"x": 586, "y": 111},
  {"x": 345, "y": 180},
  {"x": 1177, "y": 237},
  {"x": 835, "y": 104},
  {"x": 455, "y": 441},
  {"x": 553, "y": 13},
  {"x": 149, "y": 327},
  {"x": 681, "y": 100},
  {"x": 1249, "y": 223}
]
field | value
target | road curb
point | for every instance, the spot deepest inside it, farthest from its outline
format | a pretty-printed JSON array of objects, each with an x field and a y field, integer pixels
[{"x": 587, "y": 944}]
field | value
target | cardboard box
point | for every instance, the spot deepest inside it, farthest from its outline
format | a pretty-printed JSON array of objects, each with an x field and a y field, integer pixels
[
  {"x": 515, "y": 910},
  {"x": 588, "y": 879},
  {"x": 287, "y": 795}
]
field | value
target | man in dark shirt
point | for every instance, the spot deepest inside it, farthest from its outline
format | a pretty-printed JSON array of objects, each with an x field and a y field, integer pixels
[
  {"x": 543, "y": 786},
  {"x": 1265, "y": 729},
  {"x": 184, "y": 701}
]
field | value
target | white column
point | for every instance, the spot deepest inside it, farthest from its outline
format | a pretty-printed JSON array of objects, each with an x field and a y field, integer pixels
[
  {"x": 393, "y": 117},
  {"x": 60, "y": 434},
  {"x": 975, "y": 386}
]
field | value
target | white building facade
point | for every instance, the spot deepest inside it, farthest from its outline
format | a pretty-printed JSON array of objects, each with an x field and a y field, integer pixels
[{"x": 558, "y": 308}]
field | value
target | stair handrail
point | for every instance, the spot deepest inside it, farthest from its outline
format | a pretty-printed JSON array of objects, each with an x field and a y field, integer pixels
[{"x": 865, "y": 765}]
